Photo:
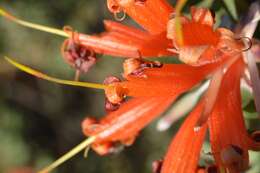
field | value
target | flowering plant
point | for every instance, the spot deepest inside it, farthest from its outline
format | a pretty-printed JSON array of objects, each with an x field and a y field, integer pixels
[{"x": 217, "y": 55}]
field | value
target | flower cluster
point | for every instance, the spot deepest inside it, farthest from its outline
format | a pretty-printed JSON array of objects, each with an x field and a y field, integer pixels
[{"x": 207, "y": 53}]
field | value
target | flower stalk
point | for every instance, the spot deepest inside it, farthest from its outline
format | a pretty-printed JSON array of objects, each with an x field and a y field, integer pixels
[
  {"x": 33, "y": 25},
  {"x": 69, "y": 155},
  {"x": 52, "y": 79}
]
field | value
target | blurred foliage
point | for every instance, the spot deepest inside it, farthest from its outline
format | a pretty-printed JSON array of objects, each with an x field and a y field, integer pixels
[{"x": 40, "y": 121}]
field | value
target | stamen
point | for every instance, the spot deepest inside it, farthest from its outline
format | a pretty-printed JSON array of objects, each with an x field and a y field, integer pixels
[
  {"x": 52, "y": 79},
  {"x": 33, "y": 25},
  {"x": 74, "y": 34},
  {"x": 179, "y": 36},
  {"x": 86, "y": 151},
  {"x": 248, "y": 42},
  {"x": 120, "y": 16},
  {"x": 109, "y": 106},
  {"x": 179, "y": 6},
  {"x": 77, "y": 75},
  {"x": 69, "y": 155}
]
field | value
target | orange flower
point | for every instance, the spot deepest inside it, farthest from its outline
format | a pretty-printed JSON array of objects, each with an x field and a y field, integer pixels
[
  {"x": 124, "y": 124},
  {"x": 184, "y": 151},
  {"x": 228, "y": 135},
  {"x": 230, "y": 148},
  {"x": 124, "y": 41},
  {"x": 207, "y": 53},
  {"x": 200, "y": 43},
  {"x": 151, "y": 15}
]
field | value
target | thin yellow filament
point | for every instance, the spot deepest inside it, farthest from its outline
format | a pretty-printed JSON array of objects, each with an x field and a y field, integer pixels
[
  {"x": 69, "y": 155},
  {"x": 52, "y": 79},
  {"x": 179, "y": 6},
  {"x": 77, "y": 75},
  {"x": 33, "y": 25}
]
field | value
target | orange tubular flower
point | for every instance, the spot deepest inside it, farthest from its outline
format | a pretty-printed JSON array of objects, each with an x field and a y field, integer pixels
[
  {"x": 184, "y": 151},
  {"x": 124, "y": 41},
  {"x": 207, "y": 53},
  {"x": 230, "y": 148},
  {"x": 124, "y": 124},
  {"x": 171, "y": 79},
  {"x": 138, "y": 112}
]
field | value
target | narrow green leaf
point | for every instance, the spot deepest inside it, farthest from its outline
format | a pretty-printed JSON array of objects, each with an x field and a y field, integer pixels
[{"x": 231, "y": 6}]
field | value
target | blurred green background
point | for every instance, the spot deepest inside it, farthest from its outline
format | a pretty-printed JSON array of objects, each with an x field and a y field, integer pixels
[{"x": 40, "y": 121}]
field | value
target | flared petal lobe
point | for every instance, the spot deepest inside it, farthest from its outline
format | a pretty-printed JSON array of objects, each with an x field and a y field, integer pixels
[
  {"x": 197, "y": 31},
  {"x": 184, "y": 151},
  {"x": 152, "y": 15},
  {"x": 201, "y": 44},
  {"x": 226, "y": 124}
]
